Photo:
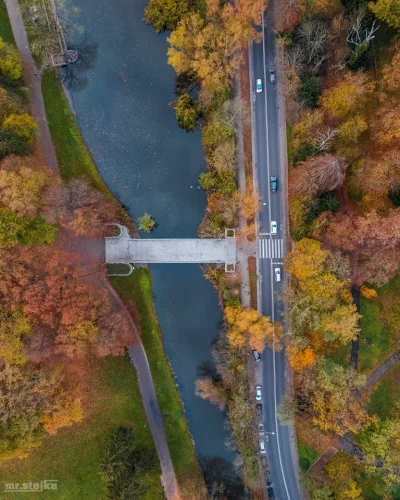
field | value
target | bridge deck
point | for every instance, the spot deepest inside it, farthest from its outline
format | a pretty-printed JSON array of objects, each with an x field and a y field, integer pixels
[{"x": 120, "y": 250}]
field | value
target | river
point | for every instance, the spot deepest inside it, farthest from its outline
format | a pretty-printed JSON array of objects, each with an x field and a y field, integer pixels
[{"x": 120, "y": 90}]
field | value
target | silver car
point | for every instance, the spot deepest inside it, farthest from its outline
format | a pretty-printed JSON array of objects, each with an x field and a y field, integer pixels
[
  {"x": 262, "y": 446},
  {"x": 258, "y": 393}
]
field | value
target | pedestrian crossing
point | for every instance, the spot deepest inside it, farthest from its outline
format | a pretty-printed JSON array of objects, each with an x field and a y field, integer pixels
[{"x": 270, "y": 248}]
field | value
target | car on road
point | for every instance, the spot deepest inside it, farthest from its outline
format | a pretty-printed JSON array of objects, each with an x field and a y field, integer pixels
[
  {"x": 256, "y": 355},
  {"x": 272, "y": 76},
  {"x": 271, "y": 495},
  {"x": 277, "y": 271},
  {"x": 259, "y": 85},
  {"x": 274, "y": 184},
  {"x": 258, "y": 393},
  {"x": 274, "y": 227},
  {"x": 268, "y": 477},
  {"x": 261, "y": 429},
  {"x": 264, "y": 463},
  {"x": 259, "y": 409},
  {"x": 262, "y": 446}
]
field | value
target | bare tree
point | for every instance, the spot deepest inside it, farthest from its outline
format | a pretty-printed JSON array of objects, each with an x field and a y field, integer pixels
[
  {"x": 357, "y": 33},
  {"x": 318, "y": 175},
  {"x": 314, "y": 35},
  {"x": 323, "y": 139}
]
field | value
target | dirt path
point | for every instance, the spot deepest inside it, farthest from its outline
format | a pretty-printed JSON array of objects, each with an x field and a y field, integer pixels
[{"x": 32, "y": 77}]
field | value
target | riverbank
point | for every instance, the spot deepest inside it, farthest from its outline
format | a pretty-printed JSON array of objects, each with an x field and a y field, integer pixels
[{"x": 75, "y": 161}]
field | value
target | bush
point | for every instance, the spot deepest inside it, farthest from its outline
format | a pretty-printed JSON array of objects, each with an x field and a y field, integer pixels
[
  {"x": 188, "y": 111},
  {"x": 147, "y": 223}
]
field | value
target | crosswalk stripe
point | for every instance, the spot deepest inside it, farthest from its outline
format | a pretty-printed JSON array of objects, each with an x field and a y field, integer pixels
[{"x": 270, "y": 248}]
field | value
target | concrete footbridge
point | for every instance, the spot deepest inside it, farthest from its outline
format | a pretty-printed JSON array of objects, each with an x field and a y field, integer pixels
[{"x": 123, "y": 249}]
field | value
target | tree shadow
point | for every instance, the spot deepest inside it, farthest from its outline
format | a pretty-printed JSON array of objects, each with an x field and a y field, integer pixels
[
  {"x": 222, "y": 480},
  {"x": 76, "y": 76}
]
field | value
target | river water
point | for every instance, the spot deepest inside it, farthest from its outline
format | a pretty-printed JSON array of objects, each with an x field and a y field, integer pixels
[{"x": 120, "y": 90}]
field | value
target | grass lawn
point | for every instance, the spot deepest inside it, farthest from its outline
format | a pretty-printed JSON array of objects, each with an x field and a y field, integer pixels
[
  {"x": 73, "y": 456},
  {"x": 138, "y": 288},
  {"x": 74, "y": 159},
  {"x": 375, "y": 341},
  {"x": 5, "y": 28},
  {"x": 306, "y": 455},
  {"x": 386, "y": 396}
]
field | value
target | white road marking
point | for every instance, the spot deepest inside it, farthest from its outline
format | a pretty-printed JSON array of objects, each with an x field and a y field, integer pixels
[{"x": 270, "y": 248}]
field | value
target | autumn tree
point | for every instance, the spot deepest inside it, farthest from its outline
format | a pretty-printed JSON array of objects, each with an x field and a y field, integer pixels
[
  {"x": 291, "y": 13},
  {"x": 378, "y": 174},
  {"x": 23, "y": 185},
  {"x": 165, "y": 14},
  {"x": 341, "y": 470},
  {"x": 391, "y": 73},
  {"x": 387, "y": 11},
  {"x": 10, "y": 62},
  {"x": 188, "y": 111},
  {"x": 333, "y": 403},
  {"x": 386, "y": 124},
  {"x": 250, "y": 204},
  {"x": 349, "y": 95},
  {"x": 318, "y": 174},
  {"x": 7, "y": 105},
  {"x": 75, "y": 340},
  {"x": 249, "y": 325},
  {"x": 299, "y": 359},
  {"x": 213, "y": 391},
  {"x": 32, "y": 398},
  {"x": 146, "y": 223},
  {"x": 22, "y": 125},
  {"x": 350, "y": 130},
  {"x": 341, "y": 324},
  {"x": 15, "y": 230},
  {"x": 14, "y": 328}
]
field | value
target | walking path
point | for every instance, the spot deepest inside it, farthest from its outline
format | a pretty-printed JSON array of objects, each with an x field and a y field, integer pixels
[
  {"x": 138, "y": 355},
  {"x": 382, "y": 369},
  {"x": 33, "y": 78}
]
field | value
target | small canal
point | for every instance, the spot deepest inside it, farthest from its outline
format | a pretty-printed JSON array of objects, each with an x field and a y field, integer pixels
[{"x": 120, "y": 89}]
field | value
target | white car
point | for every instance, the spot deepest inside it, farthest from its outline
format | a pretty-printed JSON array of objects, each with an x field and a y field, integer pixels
[
  {"x": 262, "y": 446},
  {"x": 258, "y": 393},
  {"x": 274, "y": 227},
  {"x": 259, "y": 85},
  {"x": 277, "y": 274}
]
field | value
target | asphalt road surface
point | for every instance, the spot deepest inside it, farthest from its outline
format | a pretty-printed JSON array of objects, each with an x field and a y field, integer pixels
[{"x": 270, "y": 254}]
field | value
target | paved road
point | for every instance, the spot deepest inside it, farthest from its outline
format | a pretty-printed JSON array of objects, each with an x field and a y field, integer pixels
[
  {"x": 33, "y": 79},
  {"x": 268, "y": 160}
]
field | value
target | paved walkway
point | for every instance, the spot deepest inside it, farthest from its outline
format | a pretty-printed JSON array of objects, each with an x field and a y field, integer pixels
[
  {"x": 382, "y": 369},
  {"x": 33, "y": 79}
]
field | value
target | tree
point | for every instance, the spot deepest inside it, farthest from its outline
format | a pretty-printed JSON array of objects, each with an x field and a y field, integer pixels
[
  {"x": 391, "y": 73},
  {"x": 188, "y": 111},
  {"x": 250, "y": 204},
  {"x": 386, "y": 126},
  {"x": 286, "y": 411},
  {"x": 7, "y": 105},
  {"x": 300, "y": 359},
  {"x": 341, "y": 324},
  {"x": 23, "y": 185},
  {"x": 31, "y": 398},
  {"x": 10, "y": 61},
  {"x": 309, "y": 91},
  {"x": 318, "y": 174},
  {"x": 165, "y": 14},
  {"x": 70, "y": 412},
  {"x": 291, "y": 13},
  {"x": 249, "y": 324},
  {"x": 350, "y": 130},
  {"x": 368, "y": 293},
  {"x": 347, "y": 96},
  {"x": 22, "y": 230},
  {"x": 146, "y": 223},
  {"x": 74, "y": 340},
  {"x": 330, "y": 390},
  {"x": 387, "y": 11},
  {"x": 306, "y": 259},
  {"x": 21, "y": 124},
  {"x": 213, "y": 391},
  {"x": 14, "y": 327}
]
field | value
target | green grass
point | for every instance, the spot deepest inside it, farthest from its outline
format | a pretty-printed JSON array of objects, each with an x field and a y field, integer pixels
[
  {"x": 376, "y": 333},
  {"x": 73, "y": 456},
  {"x": 138, "y": 288},
  {"x": 74, "y": 159},
  {"x": 5, "y": 27},
  {"x": 306, "y": 455},
  {"x": 386, "y": 396}
]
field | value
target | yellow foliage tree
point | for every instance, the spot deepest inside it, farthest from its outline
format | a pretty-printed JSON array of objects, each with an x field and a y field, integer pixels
[
  {"x": 368, "y": 293},
  {"x": 300, "y": 359},
  {"x": 70, "y": 412},
  {"x": 250, "y": 204},
  {"x": 391, "y": 73},
  {"x": 341, "y": 324},
  {"x": 21, "y": 124}
]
